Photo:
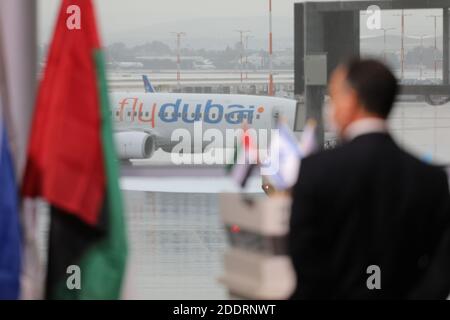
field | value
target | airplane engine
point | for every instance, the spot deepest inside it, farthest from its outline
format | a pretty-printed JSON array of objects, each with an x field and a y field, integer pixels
[{"x": 134, "y": 145}]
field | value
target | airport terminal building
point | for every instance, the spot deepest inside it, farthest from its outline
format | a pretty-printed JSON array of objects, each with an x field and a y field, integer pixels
[{"x": 187, "y": 237}]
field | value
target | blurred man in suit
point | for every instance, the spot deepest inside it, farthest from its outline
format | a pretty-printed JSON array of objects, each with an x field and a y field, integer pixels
[{"x": 369, "y": 221}]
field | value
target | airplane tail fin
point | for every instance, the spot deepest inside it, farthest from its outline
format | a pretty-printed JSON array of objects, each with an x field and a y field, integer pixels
[{"x": 147, "y": 85}]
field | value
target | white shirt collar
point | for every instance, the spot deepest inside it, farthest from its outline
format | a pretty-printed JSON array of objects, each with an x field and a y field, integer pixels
[{"x": 365, "y": 126}]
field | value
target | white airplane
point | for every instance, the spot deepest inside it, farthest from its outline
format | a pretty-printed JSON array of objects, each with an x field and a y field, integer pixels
[
  {"x": 144, "y": 122},
  {"x": 128, "y": 65},
  {"x": 204, "y": 65}
]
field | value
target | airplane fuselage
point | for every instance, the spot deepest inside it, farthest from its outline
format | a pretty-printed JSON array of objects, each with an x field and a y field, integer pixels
[{"x": 160, "y": 114}]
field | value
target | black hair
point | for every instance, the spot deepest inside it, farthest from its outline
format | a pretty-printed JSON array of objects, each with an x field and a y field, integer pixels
[{"x": 375, "y": 85}]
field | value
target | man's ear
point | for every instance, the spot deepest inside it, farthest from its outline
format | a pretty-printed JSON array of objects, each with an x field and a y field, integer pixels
[{"x": 352, "y": 100}]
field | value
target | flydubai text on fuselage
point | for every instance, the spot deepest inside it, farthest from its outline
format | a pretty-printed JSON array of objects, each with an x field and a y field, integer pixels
[{"x": 160, "y": 114}]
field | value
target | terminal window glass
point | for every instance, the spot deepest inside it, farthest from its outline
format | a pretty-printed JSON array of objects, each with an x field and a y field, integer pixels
[
  {"x": 176, "y": 237},
  {"x": 411, "y": 42}
]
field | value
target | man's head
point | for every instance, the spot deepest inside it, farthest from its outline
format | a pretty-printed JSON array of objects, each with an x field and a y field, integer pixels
[{"x": 361, "y": 89}]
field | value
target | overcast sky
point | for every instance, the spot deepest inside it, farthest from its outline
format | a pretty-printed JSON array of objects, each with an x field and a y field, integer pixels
[
  {"x": 120, "y": 16},
  {"x": 209, "y": 23}
]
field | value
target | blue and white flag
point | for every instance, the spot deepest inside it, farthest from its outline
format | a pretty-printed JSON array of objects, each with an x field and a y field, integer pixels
[
  {"x": 10, "y": 230},
  {"x": 10, "y": 239},
  {"x": 286, "y": 152},
  {"x": 308, "y": 142},
  {"x": 17, "y": 88}
]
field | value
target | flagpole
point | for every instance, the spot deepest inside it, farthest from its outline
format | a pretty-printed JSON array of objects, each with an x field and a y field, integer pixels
[{"x": 271, "y": 84}]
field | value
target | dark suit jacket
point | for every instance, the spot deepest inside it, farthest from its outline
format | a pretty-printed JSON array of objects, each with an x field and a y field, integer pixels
[{"x": 370, "y": 203}]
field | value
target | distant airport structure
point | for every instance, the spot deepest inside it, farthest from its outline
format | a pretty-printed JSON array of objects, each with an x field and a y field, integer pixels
[
  {"x": 202, "y": 81},
  {"x": 188, "y": 62}
]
